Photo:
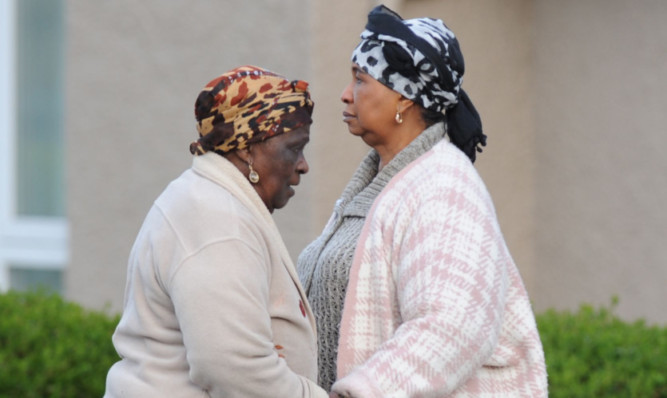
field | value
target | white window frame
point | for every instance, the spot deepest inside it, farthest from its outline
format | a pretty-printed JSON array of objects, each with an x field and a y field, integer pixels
[{"x": 25, "y": 242}]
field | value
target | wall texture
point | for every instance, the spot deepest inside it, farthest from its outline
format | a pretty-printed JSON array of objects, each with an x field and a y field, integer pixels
[{"x": 600, "y": 100}]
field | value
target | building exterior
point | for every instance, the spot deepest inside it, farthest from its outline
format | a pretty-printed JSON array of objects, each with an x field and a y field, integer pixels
[{"x": 572, "y": 96}]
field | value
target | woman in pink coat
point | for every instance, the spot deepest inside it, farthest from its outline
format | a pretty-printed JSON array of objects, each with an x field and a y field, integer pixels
[{"x": 413, "y": 288}]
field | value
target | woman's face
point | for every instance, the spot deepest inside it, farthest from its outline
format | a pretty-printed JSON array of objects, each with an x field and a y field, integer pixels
[
  {"x": 279, "y": 161},
  {"x": 370, "y": 107}
]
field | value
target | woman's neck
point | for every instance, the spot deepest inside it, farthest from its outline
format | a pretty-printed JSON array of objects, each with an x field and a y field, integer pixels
[{"x": 402, "y": 137}]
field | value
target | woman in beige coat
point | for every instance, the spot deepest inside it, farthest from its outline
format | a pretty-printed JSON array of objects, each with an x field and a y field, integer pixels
[{"x": 213, "y": 304}]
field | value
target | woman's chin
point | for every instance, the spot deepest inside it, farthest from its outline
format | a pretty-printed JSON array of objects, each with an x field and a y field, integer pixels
[
  {"x": 354, "y": 131},
  {"x": 282, "y": 202}
]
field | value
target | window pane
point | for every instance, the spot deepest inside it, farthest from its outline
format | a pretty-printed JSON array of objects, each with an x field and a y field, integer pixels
[
  {"x": 40, "y": 100},
  {"x": 34, "y": 278}
]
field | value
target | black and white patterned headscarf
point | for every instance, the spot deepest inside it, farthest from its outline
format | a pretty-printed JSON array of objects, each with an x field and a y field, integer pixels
[{"x": 421, "y": 60}]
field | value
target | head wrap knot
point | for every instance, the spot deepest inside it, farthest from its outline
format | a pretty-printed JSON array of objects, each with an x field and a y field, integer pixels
[
  {"x": 248, "y": 105},
  {"x": 421, "y": 60}
]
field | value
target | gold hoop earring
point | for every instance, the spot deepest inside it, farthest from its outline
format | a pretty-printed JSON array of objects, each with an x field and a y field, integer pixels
[
  {"x": 253, "y": 177},
  {"x": 398, "y": 117}
]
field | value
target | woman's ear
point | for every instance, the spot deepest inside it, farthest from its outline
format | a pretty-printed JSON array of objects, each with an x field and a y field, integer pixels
[
  {"x": 244, "y": 154},
  {"x": 404, "y": 104}
]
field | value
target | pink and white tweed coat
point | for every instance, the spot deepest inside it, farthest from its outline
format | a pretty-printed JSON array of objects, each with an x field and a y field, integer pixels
[{"x": 435, "y": 306}]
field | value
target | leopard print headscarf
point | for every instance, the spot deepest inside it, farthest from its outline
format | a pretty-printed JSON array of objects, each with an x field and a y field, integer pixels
[
  {"x": 248, "y": 105},
  {"x": 421, "y": 60}
]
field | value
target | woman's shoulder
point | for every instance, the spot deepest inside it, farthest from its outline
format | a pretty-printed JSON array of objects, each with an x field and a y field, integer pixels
[
  {"x": 441, "y": 173},
  {"x": 193, "y": 202},
  {"x": 191, "y": 192},
  {"x": 440, "y": 166}
]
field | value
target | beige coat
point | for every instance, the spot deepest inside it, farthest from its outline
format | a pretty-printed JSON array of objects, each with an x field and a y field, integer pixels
[{"x": 213, "y": 305}]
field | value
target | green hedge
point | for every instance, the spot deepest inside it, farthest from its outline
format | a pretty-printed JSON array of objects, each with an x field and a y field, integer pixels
[
  {"x": 592, "y": 353},
  {"x": 53, "y": 348}
]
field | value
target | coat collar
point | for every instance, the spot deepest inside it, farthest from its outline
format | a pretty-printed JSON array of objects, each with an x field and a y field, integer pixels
[{"x": 367, "y": 183}]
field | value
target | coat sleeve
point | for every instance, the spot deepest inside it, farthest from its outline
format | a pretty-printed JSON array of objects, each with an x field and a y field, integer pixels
[
  {"x": 220, "y": 296},
  {"x": 446, "y": 257}
]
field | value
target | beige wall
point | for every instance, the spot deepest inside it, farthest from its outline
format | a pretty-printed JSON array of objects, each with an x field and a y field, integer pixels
[
  {"x": 600, "y": 100},
  {"x": 571, "y": 104}
]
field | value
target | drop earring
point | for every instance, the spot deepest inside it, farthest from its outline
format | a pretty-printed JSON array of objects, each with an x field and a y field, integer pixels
[
  {"x": 398, "y": 117},
  {"x": 253, "y": 177}
]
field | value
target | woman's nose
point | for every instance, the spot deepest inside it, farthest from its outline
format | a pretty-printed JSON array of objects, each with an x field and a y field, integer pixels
[
  {"x": 346, "y": 95},
  {"x": 302, "y": 167}
]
